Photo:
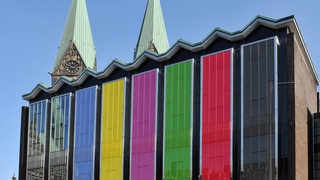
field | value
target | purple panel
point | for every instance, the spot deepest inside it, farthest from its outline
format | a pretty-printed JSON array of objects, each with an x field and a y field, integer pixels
[{"x": 143, "y": 140}]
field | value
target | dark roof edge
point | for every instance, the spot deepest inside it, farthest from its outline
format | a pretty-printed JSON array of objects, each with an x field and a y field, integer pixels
[{"x": 193, "y": 47}]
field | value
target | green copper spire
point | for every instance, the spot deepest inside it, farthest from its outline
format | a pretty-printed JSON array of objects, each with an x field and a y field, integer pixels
[
  {"x": 77, "y": 32},
  {"x": 153, "y": 34}
]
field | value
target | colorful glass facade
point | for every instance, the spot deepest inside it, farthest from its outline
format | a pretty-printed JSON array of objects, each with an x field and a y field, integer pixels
[
  {"x": 144, "y": 126},
  {"x": 216, "y": 111},
  {"x": 59, "y": 136},
  {"x": 112, "y": 130},
  {"x": 217, "y": 116},
  {"x": 36, "y": 140},
  {"x": 178, "y": 121},
  {"x": 85, "y": 122}
]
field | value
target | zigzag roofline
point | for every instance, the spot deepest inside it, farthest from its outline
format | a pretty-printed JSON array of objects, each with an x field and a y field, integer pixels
[{"x": 180, "y": 44}]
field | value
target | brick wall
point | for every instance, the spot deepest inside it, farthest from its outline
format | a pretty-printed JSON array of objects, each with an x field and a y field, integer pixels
[{"x": 305, "y": 99}]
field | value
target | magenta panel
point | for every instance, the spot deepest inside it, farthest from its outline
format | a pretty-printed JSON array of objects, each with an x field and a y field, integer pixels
[{"x": 143, "y": 132}]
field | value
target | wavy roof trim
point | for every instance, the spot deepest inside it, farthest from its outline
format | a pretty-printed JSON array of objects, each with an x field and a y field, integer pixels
[{"x": 289, "y": 21}]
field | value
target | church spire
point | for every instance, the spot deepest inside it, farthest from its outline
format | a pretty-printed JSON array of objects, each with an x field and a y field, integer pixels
[
  {"x": 153, "y": 34},
  {"x": 76, "y": 51}
]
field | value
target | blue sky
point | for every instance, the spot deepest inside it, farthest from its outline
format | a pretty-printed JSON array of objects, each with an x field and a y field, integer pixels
[{"x": 30, "y": 32}]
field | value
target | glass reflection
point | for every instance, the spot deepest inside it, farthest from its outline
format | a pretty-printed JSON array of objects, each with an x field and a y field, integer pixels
[
  {"x": 59, "y": 137},
  {"x": 36, "y": 140}
]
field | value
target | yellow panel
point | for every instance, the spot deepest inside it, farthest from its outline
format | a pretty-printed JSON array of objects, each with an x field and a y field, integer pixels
[{"x": 112, "y": 130}]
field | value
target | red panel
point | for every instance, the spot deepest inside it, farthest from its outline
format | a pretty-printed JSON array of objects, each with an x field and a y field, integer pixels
[{"x": 216, "y": 116}]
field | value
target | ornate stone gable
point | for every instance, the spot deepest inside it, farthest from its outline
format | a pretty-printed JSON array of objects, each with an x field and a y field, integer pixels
[
  {"x": 152, "y": 47},
  {"x": 71, "y": 65}
]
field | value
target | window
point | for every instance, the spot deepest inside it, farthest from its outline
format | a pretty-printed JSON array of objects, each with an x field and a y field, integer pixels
[
  {"x": 143, "y": 126},
  {"x": 85, "y": 119},
  {"x": 36, "y": 140},
  {"x": 112, "y": 130},
  {"x": 259, "y": 110},
  {"x": 59, "y": 136},
  {"x": 216, "y": 99},
  {"x": 60, "y": 118},
  {"x": 177, "y": 162}
]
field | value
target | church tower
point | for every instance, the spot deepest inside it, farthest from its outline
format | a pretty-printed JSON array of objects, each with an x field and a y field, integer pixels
[
  {"x": 76, "y": 51},
  {"x": 153, "y": 34}
]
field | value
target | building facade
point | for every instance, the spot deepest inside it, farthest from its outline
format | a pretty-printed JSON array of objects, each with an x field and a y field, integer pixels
[{"x": 239, "y": 105}]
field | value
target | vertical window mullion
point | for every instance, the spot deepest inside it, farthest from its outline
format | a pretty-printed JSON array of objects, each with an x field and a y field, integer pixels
[{"x": 64, "y": 122}]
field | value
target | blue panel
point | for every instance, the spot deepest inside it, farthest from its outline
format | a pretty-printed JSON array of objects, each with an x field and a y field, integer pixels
[{"x": 84, "y": 133}]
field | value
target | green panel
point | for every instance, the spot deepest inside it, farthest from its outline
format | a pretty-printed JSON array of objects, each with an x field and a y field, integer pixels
[{"x": 178, "y": 118}]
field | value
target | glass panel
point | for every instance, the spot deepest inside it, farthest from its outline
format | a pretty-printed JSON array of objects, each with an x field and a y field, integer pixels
[
  {"x": 216, "y": 111},
  {"x": 36, "y": 140},
  {"x": 84, "y": 133},
  {"x": 178, "y": 118},
  {"x": 259, "y": 117},
  {"x": 144, "y": 99},
  {"x": 58, "y": 172},
  {"x": 59, "y": 123},
  {"x": 59, "y": 137},
  {"x": 112, "y": 132}
]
